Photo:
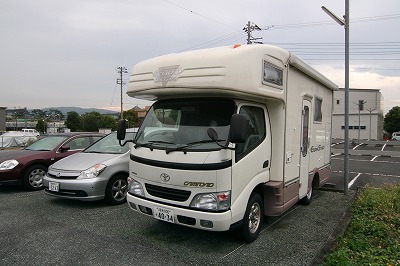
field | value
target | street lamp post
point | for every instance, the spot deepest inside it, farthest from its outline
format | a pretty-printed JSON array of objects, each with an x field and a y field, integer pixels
[{"x": 345, "y": 22}]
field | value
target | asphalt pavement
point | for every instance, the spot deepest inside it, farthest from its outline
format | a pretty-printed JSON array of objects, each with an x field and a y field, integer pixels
[{"x": 37, "y": 229}]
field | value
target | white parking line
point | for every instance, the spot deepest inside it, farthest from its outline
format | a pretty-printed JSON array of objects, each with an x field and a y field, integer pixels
[
  {"x": 353, "y": 180},
  {"x": 374, "y": 158},
  {"x": 358, "y": 146},
  {"x": 383, "y": 147}
]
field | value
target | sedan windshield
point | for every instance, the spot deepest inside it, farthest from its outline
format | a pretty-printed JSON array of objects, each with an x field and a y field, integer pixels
[
  {"x": 110, "y": 144},
  {"x": 183, "y": 124},
  {"x": 47, "y": 143}
]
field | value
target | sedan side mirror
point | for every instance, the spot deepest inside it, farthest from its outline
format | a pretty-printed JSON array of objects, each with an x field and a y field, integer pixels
[{"x": 64, "y": 148}]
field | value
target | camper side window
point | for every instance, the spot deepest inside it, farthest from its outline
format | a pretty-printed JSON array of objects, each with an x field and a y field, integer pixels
[
  {"x": 272, "y": 74},
  {"x": 318, "y": 110},
  {"x": 255, "y": 116}
]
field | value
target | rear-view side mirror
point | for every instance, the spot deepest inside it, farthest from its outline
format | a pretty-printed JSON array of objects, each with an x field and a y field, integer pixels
[
  {"x": 64, "y": 148},
  {"x": 239, "y": 128},
  {"x": 121, "y": 129}
]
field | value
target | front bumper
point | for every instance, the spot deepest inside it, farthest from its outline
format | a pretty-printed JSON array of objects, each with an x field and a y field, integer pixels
[
  {"x": 220, "y": 221},
  {"x": 13, "y": 176},
  {"x": 80, "y": 189}
]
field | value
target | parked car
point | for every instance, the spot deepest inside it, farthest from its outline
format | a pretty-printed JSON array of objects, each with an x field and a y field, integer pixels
[
  {"x": 99, "y": 172},
  {"x": 396, "y": 136},
  {"x": 28, "y": 166}
]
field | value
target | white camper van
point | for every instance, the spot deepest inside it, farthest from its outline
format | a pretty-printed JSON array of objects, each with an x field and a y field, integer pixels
[{"x": 235, "y": 133}]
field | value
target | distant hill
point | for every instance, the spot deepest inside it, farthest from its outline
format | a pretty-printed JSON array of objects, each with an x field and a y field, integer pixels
[{"x": 80, "y": 110}]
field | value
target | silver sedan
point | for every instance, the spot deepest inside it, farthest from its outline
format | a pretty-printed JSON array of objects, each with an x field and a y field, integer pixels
[{"x": 98, "y": 172}]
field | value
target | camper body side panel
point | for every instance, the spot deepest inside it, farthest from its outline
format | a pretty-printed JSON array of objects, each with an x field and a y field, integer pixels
[
  {"x": 302, "y": 89},
  {"x": 292, "y": 170}
]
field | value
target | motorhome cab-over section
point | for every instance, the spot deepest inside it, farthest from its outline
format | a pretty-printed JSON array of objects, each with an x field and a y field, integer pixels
[{"x": 235, "y": 133}]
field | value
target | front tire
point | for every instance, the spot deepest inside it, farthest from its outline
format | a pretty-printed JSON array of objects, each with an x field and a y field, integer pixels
[
  {"x": 253, "y": 218},
  {"x": 33, "y": 177},
  {"x": 116, "y": 190}
]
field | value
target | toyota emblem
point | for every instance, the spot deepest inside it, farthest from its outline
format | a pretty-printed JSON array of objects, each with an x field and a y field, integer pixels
[
  {"x": 58, "y": 175},
  {"x": 165, "y": 177}
]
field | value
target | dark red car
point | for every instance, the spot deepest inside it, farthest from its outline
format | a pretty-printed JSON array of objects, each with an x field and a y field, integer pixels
[{"x": 28, "y": 166}]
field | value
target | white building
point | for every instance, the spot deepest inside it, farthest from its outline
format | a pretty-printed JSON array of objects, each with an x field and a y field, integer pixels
[{"x": 364, "y": 124}]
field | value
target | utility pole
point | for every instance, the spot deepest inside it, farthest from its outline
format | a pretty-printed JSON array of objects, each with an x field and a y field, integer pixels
[
  {"x": 250, "y": 27},
  {"x": 121, "y": 70},
  {"x": 370, "y": 110}
]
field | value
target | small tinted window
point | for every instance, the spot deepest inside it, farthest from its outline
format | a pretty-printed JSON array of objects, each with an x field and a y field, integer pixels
[
  {"x": 272, "y": 74},
  {"x": 318, "y": 110},
  {"x": 255, "y": 116}
]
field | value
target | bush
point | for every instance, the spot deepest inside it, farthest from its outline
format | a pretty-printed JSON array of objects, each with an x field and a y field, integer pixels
[{"x": 373, "y": 236}]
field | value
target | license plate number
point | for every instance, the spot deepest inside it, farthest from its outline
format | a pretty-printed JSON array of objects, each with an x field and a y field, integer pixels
[
  {"x": 54, "y": 186},
  {"x": 163, "y": 214}
]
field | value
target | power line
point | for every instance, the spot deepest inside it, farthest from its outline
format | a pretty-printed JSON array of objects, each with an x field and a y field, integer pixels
[
  {"x": 328, "y": 23},
  {"x": 231, "y": 36},
  {"x": 198, "y": 14}
]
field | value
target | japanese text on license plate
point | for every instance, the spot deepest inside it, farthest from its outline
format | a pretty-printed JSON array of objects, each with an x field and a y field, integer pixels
[
  {"x": 54, "y": 186},
  {"x": 163, "y": 214}
]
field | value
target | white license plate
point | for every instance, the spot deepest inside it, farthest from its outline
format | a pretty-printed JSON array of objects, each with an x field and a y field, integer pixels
[
  {"x": 54, "y": 186},
  {"x": 163, "y": 214}
]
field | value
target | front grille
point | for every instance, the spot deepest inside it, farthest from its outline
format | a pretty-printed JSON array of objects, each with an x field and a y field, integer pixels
[
  {"x": 167, "y": 193},
  {"x": 61, "y": 176}
]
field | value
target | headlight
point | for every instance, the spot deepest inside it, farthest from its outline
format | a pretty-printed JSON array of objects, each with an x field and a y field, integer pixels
[
  {"x": 135, "y": 187},
  {"x": 92, "y": 172},
  {"x": 212, "y": 201},
  {"x": 8, "y": 165}
]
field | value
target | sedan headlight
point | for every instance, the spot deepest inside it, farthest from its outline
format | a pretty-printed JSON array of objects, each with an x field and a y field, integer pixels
[
  {"x": 92, "y": 172},
  {"x": 212, "y": 201},
  {"x": 8, "y": 165},
  {"x": 135, "y": 187}
]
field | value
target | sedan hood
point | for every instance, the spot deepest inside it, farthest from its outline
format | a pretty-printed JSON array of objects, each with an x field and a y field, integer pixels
[
  {"x": 15, "y": 154},
  {"x": 82, "y": 161}
]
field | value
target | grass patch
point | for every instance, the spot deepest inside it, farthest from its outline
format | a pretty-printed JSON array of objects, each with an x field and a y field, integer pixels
[{"x": 373, "y": 235}]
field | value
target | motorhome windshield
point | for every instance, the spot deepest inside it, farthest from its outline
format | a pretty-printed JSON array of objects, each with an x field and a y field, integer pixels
[{"x": 182, "y": 124}]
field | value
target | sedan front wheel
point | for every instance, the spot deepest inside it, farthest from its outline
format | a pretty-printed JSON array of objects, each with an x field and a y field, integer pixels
[
  {"x": 33, "y": 177},
  {"x": 116, "y": 190}
]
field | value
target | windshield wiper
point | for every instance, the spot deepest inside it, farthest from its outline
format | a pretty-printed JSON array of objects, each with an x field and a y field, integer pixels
[
  {"x": 150, "y": 144},
  {"x": 190, "y": 144}
]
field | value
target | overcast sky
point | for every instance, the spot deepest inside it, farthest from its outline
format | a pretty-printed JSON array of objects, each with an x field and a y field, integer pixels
[{"x": 65, "y": 52}]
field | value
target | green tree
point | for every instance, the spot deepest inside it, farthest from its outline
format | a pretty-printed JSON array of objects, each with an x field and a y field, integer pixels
[
  {"x": 392, "y": 120},
  {"x": 55, "y": 114},
  {"x": 91, "y": 121},
  {"x": 131, "y": 117},
  {"x": 38, "y": 114},
  {"x": 107, "y": 121},
  {"x": 73, "y": 121},
  {"x": 41, "y": 126}
]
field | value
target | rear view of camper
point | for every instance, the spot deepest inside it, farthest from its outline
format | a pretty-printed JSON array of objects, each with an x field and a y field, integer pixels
[{"x": 235, "y": 134}]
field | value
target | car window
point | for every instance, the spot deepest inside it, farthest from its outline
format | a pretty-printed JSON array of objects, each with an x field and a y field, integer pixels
[
  {"x": 110, "y": 144},
  {"x": 96, "y": 138},
  {"x": 78, "y": 143},
  {"x": 46, "y": 143},
  {"x": 255, "y": 116}
]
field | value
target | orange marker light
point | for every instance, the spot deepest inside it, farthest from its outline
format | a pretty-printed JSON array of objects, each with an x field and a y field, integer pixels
[{"x": 237, "y": 45}]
